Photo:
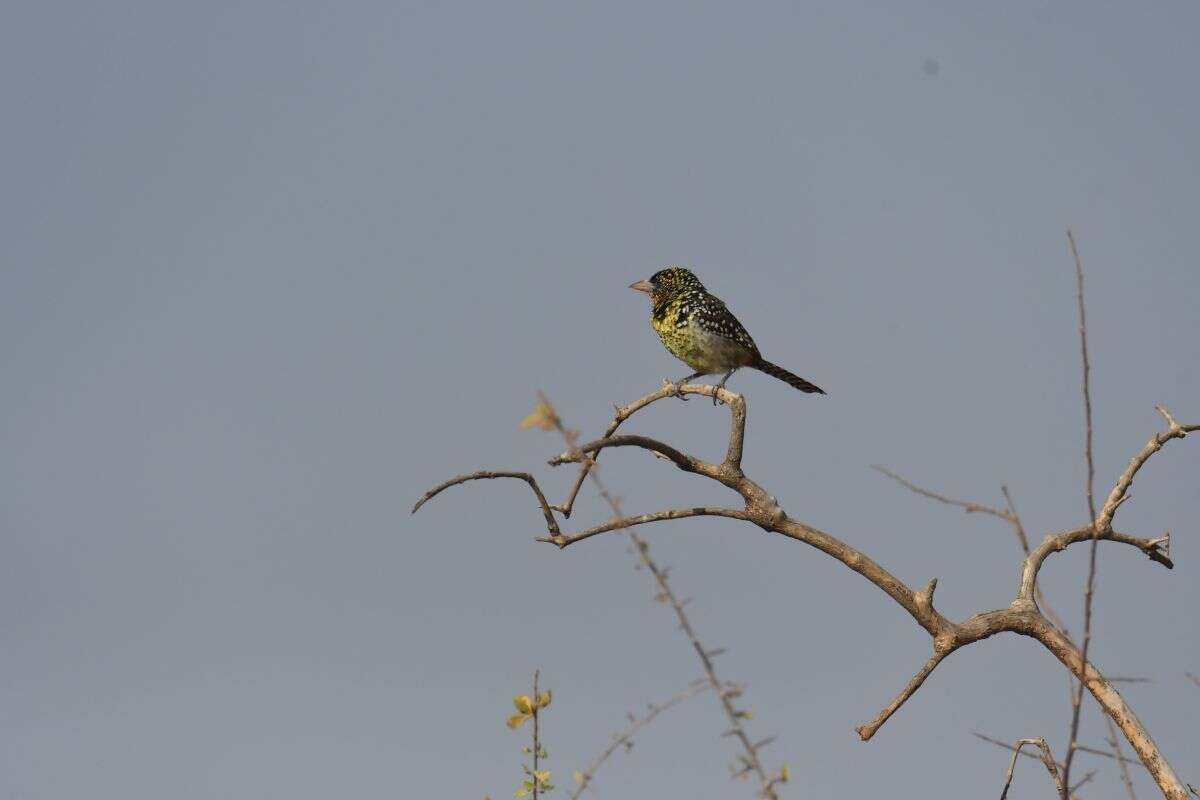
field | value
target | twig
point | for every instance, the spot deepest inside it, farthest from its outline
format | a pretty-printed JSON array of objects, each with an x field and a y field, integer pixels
[
  {"x": 1022, "y": 616},
  {"x": 1115, "y": 744},
  {"x": 1016, "y": 519},
  {"x": 641, "y": 547},
  {"x": 624, "y": 523},
  {"x": 1120, "y": 491},
  {"x": 484, "y": 474},
  {"x": 1090, "y": 585},
  {"x": 865, "y": 732},
  {"x": 965, "y": 505},
  {"x": 1081, "y": 748},
  {"x": 1086, "y": 779},
  {"x": 1010, "y": 516},
  {"x": 1007, "y": 746},
  {"x": 537, "y": 745},
  {"x": 623, "y": 413},
  {"x": 625, "y": 737},
  {"x": 1047, "y": 759}
]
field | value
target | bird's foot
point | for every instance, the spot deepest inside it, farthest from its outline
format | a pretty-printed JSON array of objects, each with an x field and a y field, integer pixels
[
  {"x": 676, "y": 388},
  {"x": 721, "y": 386}
]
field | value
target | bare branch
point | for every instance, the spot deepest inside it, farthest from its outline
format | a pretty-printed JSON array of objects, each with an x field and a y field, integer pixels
[
  {"x": 1047, "y": 759},
  {"x": 1009, "y": 515},
  {"x": 1114, "y": 705},
  {"x": 483, "y": 474},
  {"x": 1096, "y": 751},
  {"x": 623, "y": 523},
  {"x": 625, "y": 737},
  {"x": 1087, "y": 400},
  {"x": 1009, "y": 747},
  {"x": 1090, "y": 584},
  {"x": 684, "y": 462},
  {"x": 1120, "y": 491},
  {"x": 1022, "y": 616},
  {"x": 1056, "y": 543},
  {"x": 1015, "y": 518},
  {"x": 865, "y": 732},
  {"x": 537, "y": 744},
  {"x": 1086, "y": 779},
  {"x": 733, "y": 456},
  {"x": 726, "y": 693},
  {"x": 1120, "y": 759},
  {"x": 965, "y": 505},
  {"x": 1081, "y": 748}
]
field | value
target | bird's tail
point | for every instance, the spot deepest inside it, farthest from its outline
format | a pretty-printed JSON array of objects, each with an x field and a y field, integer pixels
[{"x": 782, "y": 374}]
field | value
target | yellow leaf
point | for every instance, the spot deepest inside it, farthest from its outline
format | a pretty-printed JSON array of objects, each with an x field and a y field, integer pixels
[
  {"x": 542, "y": 776},
  {"x": 517, "y": 720},
  {"x": 579, "y": 776},
  {"x": 543, "y": 417},
  {"x": 523, "y": 703},
  {"x": 544, "y": 699},
  {"x": 786, "y": 773}
]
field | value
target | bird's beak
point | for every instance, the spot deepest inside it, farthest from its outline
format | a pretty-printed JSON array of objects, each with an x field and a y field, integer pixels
[{"x": 643, "y": 286}]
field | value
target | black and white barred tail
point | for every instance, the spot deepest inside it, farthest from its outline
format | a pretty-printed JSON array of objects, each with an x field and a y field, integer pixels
[{"x": 776, "y": 371}]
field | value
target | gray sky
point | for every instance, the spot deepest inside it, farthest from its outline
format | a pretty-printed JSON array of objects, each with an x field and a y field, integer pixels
[{"x": 270, "y": 270}]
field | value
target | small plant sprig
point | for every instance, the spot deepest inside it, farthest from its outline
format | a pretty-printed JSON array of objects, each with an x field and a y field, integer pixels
[{"x": 528, "y": 707}]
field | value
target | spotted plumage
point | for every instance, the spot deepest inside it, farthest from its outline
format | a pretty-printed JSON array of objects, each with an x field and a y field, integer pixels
[{"x": 699, "y": 330}]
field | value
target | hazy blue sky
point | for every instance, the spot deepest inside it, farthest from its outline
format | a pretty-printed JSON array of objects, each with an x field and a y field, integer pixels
[{"x": 270, "y": 270}]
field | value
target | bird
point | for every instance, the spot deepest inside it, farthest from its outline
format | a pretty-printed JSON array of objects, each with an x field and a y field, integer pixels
[{"x": 698, "y": 329}]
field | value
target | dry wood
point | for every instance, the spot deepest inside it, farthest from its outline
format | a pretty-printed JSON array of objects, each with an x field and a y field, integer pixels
[{"x": 1022, "y": 616}]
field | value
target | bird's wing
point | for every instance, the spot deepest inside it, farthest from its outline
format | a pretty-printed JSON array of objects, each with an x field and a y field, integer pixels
[{"x": 715, "y": 316}]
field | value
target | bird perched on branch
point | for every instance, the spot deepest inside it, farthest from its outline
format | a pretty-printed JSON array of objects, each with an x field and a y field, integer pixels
[{"x": 701, "y": 332}]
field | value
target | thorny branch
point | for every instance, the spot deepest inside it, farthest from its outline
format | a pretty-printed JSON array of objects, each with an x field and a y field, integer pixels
[
  {"x": 1047, "y": 759},
  {"x": 1022, "y": 616},
  {"x": 1090, "y": 585},
  {"x": 726, "y": 692},
  {"x": 1081, "y": 748},
  {"x": 537, "y": 742},
  {"x": 483, "y": 474},
  {"x": 1115, "y": 745},
  {"x": 625, "y": 737},
  {"x": 1009, "y": 515}
]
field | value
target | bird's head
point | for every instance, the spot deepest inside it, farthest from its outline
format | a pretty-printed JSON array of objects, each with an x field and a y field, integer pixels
[{"x": 667, "y": 283}]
